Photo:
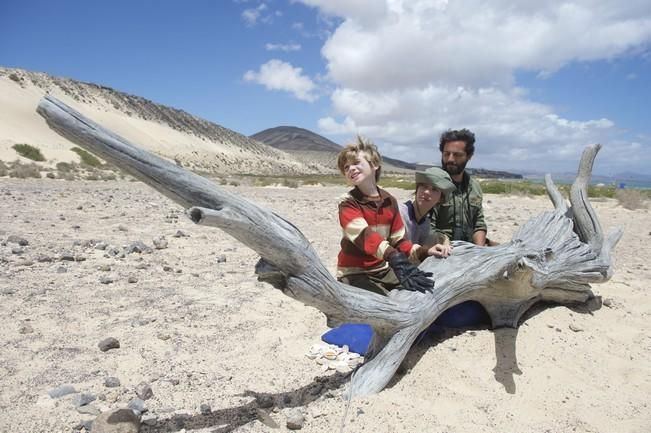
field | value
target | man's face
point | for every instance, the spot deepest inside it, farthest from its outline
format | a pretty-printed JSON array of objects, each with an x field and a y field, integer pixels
[{"x": 454, "y": 157}]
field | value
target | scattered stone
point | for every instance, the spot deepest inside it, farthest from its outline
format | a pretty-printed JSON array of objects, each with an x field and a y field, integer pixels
[
  {"x": 138, "y": 247},
  {"x": 7, "y": 291},
  {"x": 104, "y": 268},
  {"x": 167, "y": 268},
  {"x": 101, "y": 245},
  {"x": 62, "y": 270},
  {"x": 122, "y": 228},
  {"x": 132, "y": 279},
  {"x": 83, "y": 399},
  {"x": 117, "y": 421},
  {"x": 68, "y": 256},
  {"x": 88, "y": 410},
  {"x": 106, "y": 280},
  {"x": 149, "y": 420},
  {"x": 160, "y": 243},
  {"x": 76, "y": 227},
  {"x": 17, "y": 250},
  {"x": 111, "y": 382},
  {"x": 295, "y": 419},
  {"x": 163, "y": 337},
  {"x": 142, "y": 266},
  {"x": 25, "y": 262},
  {"x": 221, "y": 258},
  {"x": 44, "y": 259},
  {"x": 26, "y": 329},
  {"x": 137, "y": 405},
  {"x": 575, "y": 328},
  {"x": 144, "y": 391},
  {"x": 264, "y": 417},
  {"x": 62, "y": 390},
  {"x": 14, "y": 239},
  {"x": 182, "y": 234},
  {"x": 108, "y": 344},
  {"x": 85, "y": 425},
  {"x": 608, "y": 302}
]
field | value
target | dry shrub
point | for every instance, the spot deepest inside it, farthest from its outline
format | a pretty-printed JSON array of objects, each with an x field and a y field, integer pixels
[
  {"x": 4, "y": 170},
  {"x": 631, "y": 199},
  {"x": 23, "y": 171}
]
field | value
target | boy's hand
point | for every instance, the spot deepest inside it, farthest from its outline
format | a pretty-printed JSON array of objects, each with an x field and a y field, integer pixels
[
  {"x": 410, "y": 277},
  {"x": 440, "y": 250}
]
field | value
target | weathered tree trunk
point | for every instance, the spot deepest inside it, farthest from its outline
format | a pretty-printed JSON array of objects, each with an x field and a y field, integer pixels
[{"x": 553, "y": 257}]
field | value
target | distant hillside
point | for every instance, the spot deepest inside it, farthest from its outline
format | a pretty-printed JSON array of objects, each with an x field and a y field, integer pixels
[
  {"x": 309, "y": 146},
  {"x": 169, "y": 132}
]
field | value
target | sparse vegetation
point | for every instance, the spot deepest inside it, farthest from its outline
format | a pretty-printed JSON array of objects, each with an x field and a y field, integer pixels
[
  {"x": 14, "y": 77},
  {"x": 65, "y": 167},
  {"x": 28, "y": 151},
  {"x": 23, "y": 171},
  {"x": 87, "y": 157},
  {"x": 4, "y": 170},
  {"x": 631, "y": 199}
]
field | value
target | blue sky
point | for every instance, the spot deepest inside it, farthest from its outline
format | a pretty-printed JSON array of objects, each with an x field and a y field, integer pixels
[{"x": 535, "y": 82}]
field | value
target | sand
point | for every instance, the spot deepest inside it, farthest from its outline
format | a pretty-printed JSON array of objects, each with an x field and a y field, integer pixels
[{"x": 198, "y": 327}]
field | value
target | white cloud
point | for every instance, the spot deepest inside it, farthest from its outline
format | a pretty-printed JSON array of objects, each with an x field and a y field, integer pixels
[
  {"x": 283, "y": 47},
  {"x": 405, "y": 70},
  {"x": 260, "y": 13},
  {"x": 279, "y": 75}
]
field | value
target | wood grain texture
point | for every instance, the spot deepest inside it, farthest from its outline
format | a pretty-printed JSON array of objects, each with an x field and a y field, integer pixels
[{"x": 555, "y": 256}]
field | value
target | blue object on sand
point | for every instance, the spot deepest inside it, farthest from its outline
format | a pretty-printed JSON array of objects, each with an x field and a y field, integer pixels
[
  {"x": 464, "y": 315},
  {"x": 356, "y": 336}
]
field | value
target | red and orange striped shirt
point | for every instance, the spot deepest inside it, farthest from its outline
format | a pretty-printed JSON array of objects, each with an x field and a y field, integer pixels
[{"x": 372, "y": 229}]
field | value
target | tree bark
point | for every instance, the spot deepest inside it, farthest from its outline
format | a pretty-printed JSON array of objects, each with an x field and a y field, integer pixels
[{"x": 553, "y": 257}]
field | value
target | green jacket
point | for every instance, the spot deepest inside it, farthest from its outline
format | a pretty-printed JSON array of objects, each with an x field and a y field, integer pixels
[{"x": 460, "y": 214}]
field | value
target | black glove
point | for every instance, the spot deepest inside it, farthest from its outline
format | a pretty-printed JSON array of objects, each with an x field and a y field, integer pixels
[{"x": 410, "y": 277}]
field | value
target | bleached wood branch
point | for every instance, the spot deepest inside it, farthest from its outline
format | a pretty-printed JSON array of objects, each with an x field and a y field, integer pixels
[{"x": 553, "y": 257}]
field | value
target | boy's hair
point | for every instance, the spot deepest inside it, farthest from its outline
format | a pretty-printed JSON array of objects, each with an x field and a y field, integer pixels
[{"x": 364, "y": 148}]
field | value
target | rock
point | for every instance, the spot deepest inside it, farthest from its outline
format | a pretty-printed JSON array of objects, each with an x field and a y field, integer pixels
[
  {"x": 15, "y": 239},
  {"x": 24, "y": 262},
  {"x": 101, "y": 245},
  {"x": 264, "y": 401},
  {"x": 575, "y": 328},
  {"x": 88, "y": 410},
  {"x": 104, "y": 268},
  {"x": 149, "y": 420},
  {"x": 61, "y": 270},
  {"x": 160, "y": 243},
  {"x": 295, "y": 419},
  {"x": 26, "y": 329},
  {"x": 7, "y": 291},
  {"x": 221, "y": 258},
  {"x": 122, "y": 228},
  {"x": 137, "y": 405},
  {"x": 266, "y": 419},
  {"x": 205, "y": 409},
  {"x": 111, "y": 382},
  {"x": 144, "y": 391},
  {"x": 17, "y": 250},
  {"x": 167, "y": 268},
  {"x": 137, "y": 247},
  {"x": 44, "y": 259},
  {"x": 83, "y": 399},
  {"x": 62, "y": 390},
  {"x": 106, "y": 280},
  {"x": 608, "y": 302},
  {"x": 108, "y": 344},
  {"x": 86, "y": 425},
  {"x": 132, "y": 279},
  {"x": 117, "y": 421},
  {"x": 181, "y": 234}
]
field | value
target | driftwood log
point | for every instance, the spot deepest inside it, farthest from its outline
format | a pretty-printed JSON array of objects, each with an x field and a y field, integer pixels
[{"x": 553, "y": 257}]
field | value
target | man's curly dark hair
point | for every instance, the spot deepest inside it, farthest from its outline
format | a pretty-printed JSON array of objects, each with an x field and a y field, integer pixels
[{"x": 464, "y": 135}]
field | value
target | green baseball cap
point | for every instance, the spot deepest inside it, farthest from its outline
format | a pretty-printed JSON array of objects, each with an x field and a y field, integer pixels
[{"x": 436, "y": 177}]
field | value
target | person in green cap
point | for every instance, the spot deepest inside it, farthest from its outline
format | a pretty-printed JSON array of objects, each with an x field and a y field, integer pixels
[{"x": 431, "y": 187}]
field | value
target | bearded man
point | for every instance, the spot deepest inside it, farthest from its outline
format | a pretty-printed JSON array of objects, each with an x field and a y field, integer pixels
[{"x": 460, "y": 216}]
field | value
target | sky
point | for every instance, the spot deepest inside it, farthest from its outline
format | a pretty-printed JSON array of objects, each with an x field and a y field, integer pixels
[{"x": 535, "y": 81}]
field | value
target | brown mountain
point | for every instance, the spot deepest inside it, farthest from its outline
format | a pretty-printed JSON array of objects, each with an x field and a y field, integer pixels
[{"x": 308, "y": 147}]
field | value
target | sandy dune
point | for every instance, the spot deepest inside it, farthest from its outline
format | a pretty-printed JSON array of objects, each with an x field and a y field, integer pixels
[{"x": 196, "y": 325}]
